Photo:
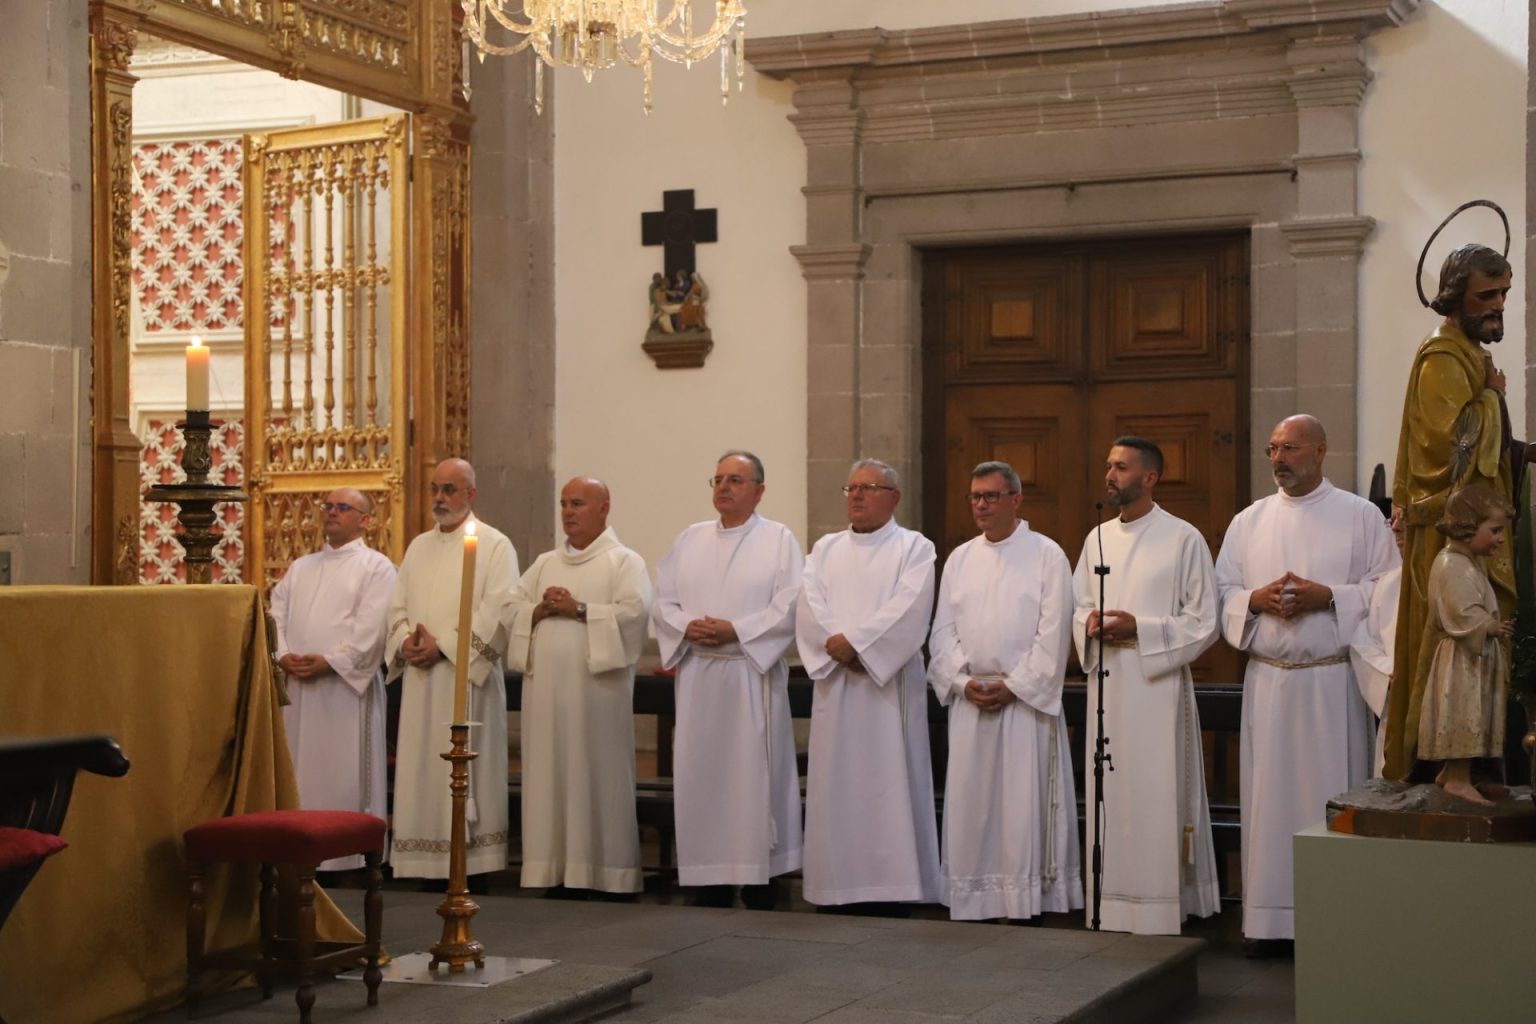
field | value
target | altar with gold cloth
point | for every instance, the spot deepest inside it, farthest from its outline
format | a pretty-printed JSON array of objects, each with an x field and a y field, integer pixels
[{"x": 180, "y": 676}]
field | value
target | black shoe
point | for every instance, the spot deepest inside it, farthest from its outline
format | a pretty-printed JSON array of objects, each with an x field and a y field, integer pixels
[
  {"x": 713, "y": 896},
  {"x": 1269, "y": 949},
  {"x": 479, "y": 885},
  {"x": 560, "y": 892},
  {"x": 1025, "y": 922},
  {"x": 759, "y": 897}
]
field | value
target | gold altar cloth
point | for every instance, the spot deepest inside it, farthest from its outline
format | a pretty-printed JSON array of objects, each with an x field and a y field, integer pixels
[{"x": 180, "y": 676}]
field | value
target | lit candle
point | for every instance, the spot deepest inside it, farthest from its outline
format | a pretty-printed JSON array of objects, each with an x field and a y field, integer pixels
[
  {"x": 466, "y": 616},
  {"x": 197, "y": 376}
]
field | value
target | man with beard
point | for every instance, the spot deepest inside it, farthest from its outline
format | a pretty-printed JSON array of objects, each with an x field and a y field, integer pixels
[
  {"x": 1455, "y": 432},
  {"x": 1296, "y": 574},
  {"x": 423, "y": 638},
  {"x": 1159, "y": 616}
]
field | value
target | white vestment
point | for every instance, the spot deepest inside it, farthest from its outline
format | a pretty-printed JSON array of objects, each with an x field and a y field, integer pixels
[
  {"x": 870, "y": 832},
  {"x": 1010, "y": 806},
  {"x": 427, "y": 592},
  {"x": 1306, "y": 733},
  {"x": 1371, "y": 652},
  {"x": 737, "y": 787},
  {"x": 333, "y": 603},
  {"x": 579, "y": 827},
  {"x": 1159, "y": 860}
]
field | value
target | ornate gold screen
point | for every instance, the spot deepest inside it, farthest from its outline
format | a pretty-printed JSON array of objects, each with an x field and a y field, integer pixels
[{"x": 325, "y": 333}]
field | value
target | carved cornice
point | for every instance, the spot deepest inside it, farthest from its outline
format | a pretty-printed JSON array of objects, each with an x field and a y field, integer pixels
[
  {"x": 1365, "y": 15},
  {"x": 831, "y": 262},
  {"x": 115, "y": 41},
  {"x": 1328, "y": 72},
  {"x": 1315, "y": 237}
]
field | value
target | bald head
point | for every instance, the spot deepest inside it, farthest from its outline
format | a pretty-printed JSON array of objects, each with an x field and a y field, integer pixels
[
  {"x": 1296, "y": 449},
  {"x": 1309, "y": 429},
  {"x": 346, "y": 515},
  {"x": 453, "y": 493},
  {"x": 583, "y": 510}
]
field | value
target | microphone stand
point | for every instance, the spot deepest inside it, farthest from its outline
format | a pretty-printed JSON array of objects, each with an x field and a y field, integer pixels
[{"x": 1101, "y": 757}]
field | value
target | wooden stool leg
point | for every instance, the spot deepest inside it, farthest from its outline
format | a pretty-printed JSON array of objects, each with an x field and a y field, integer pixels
[
  {"x": 267, "y": 905},
  {"x": 373, "y": 916},
  {"x": 306, "y": 952},
  {"x": 197, "y": 919}
]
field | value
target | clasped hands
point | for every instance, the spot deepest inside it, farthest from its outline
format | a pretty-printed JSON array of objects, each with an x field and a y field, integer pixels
[
  {"x": 710, "y": 632},
  {"x": 304, "y": 666},
  {"x": 1118, "y": 626},
  {"x": 556, "y": 601},
  {"x": 841, "y": 651},
  {"x": 420, "y": 648},
  {"x": 990, "y": 697},
  {"x": 1290, "y": 596}
]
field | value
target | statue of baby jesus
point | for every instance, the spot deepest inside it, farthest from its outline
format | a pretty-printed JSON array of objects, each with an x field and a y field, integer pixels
[{"x": 1462, "y": 717}]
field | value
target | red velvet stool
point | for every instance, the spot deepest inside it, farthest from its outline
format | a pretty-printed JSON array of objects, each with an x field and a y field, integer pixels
[{"x": 302, "y": 840}]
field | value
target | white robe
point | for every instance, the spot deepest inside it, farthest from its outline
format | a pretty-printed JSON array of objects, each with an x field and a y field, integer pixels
[
  {"x": 870, "y": 832},
  {"x": 1306, "y": 733},
  {"x": 333, "y": 603},
  {"x": 736, "y": 783},
  {"x": 427, "y": 592},
  {"x": 1371, "y": 653},
  {"x": 579, "y": 827},
  {"x": 1010, "y": 806},
  {"x": 1159, "y": 859}
]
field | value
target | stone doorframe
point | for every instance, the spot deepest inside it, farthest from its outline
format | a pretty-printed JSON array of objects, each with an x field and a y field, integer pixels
[{"x": 1231, "y": 114}]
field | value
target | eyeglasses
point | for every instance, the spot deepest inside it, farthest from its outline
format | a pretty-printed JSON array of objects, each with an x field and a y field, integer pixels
[
  {"x": 1271, "y": 450},
  {"x": 338, "y": 506},
  {"x": 987, "y": 497},
  {"x": 865, "y": 488},
  {"x": 733, "y": 480}
]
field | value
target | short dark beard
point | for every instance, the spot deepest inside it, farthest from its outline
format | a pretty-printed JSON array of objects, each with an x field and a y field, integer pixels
[
  {"x": 1130, "y": 494},
  {"x": 1474, "y": 328}
]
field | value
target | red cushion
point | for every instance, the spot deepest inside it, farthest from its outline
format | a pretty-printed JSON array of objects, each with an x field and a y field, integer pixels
[
  {"x": 285, "y": 837},
  {"x": 22, "y": 847}
]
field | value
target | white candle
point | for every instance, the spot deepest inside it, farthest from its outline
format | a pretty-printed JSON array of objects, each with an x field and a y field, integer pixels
[
  {"x": 466, "y": 624},
  {"x": 197, "y": 376}
]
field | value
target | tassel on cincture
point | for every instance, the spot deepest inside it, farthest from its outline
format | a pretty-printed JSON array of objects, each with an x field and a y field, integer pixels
[
  {"x": 471, "y": 812},
  {"x": 1189, "y": 844}
]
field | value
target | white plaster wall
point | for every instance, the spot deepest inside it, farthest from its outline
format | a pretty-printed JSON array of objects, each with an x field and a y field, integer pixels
[{"x": 1443, "y": 122}]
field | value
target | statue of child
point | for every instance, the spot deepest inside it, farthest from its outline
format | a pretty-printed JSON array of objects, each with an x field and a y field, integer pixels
[{"x": 1462, "y": 716}]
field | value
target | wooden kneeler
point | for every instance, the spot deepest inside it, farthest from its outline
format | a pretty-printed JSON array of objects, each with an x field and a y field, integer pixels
[{"x": 301, "y": 840}]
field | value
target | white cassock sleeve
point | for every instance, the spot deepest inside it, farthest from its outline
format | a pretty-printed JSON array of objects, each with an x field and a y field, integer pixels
[
  {"x": 1037, "y": 678},
  {"x": 277, "y": 606},
  {"x": 1237, "y": 622},
  {"x": 1166, "y": 643},
  {"x": 765, "y": 635},
  {"x": 487, "y": 626},
  {"x": 1351, "y": 601},
  {"x": 887, "y": 640},
  {"x": 399, "y": 622},
  {"x": 811, "y": 612},
  {"x": 616, "y": 627},
  {"x": 667, "y": 614},
  {"x": 519, "y": 613},
  {"x": 1368, "y": 652},
  {"x": 358, "y": 651},
  {"x": 1086, "y": 594},
  {"x": 948, "y": 667}
]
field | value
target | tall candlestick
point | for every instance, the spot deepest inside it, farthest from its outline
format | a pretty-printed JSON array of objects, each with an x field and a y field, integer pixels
[
  {"x": 466, "y": 624},
  {"x": 197, "y": 375}
]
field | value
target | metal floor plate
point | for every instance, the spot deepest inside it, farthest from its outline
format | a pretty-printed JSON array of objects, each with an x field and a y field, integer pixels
[{"x": 411, "y": 969}]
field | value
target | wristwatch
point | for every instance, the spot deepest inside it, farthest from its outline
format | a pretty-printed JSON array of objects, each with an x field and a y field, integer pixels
[{"x": 581, "y": 611}]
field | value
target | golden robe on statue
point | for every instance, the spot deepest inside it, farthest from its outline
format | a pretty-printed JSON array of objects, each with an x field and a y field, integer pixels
[{"x": 1449, "y": 408}]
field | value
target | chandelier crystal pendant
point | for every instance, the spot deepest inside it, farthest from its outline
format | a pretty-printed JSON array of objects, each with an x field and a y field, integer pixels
[{"x": 590, "y": 35}]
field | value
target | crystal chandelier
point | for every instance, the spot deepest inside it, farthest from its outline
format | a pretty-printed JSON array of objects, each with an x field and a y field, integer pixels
[{"x": 590, "y": 35}]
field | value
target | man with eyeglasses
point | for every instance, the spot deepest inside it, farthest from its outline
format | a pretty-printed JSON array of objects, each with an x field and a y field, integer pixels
[
  {"x": 423, "y": 640},
  {"x": 1296, "y": 573},
  {"x": 1159, "y": 615},
  {"x": 999, "y": 655},
  {"x": 725, "y": 618},
  {"x": 870, "y": 832},
  {"x": 329, "y": 609}
]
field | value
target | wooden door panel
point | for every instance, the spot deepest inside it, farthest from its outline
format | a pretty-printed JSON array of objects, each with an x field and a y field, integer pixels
[
  {"x": 1156, "y": 313},
  {"x": 1013, "y": 319}
]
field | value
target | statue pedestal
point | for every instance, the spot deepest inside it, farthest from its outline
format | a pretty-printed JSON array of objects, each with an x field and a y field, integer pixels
[
  {"x": 1408, "y": 930},
  {"x": 679, "y": 351}
]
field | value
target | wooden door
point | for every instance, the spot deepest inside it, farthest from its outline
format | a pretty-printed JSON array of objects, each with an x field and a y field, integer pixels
[{"x": 1042, "y": 355}]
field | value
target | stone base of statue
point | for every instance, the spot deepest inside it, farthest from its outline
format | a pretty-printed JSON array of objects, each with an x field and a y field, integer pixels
[
  {"x": 1399, "y": 930},
  {"x": 678, "y": 350},
  {"x": 1397, "y": 810}
]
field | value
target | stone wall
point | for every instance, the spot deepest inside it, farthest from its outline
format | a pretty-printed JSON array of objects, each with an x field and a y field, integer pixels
[{"x": 45, "y": 292}]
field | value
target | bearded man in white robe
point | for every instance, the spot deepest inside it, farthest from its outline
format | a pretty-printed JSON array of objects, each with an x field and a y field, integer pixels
[
  {"x": 725, "y": 618},
  {"x": 578, "y": 623},
  {"x": 1159, "y": 615},
  {"x": 870, "y": 830},
  {"x": 1372, "y": 650},
  {"x": 999, "y": 656},
  {"x": 423, "y": 640},
  {"x": 1296, "y": 572},
  {"x": 329, "y": 609}
]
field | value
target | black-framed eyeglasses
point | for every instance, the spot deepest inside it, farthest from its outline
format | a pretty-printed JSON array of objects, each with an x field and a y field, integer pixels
[
  {"x": 1271, "y": 450},
  {"x": 866, "y": 488},
  {"x": 987, "y": 497},
  {"x": 338, "y": 506}
]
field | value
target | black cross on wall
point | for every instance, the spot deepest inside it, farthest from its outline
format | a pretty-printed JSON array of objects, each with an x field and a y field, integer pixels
[{"x": 677, "y": 227}]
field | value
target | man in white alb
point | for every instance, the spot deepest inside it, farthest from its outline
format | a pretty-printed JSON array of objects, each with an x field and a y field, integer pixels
[
  {"x": 329, "y": 609},
  {"x": 423, "y": 638},
  {"x": 725, "y": 617},
  {"x": 998, "y": 658},
  {"x": 1296, "y": 572},
  {"x": 578, "y": 622},
  {"x": 1159, "y": 615},
  {"x": 1372, "y": 649},
  {"x": 870, "y": 832}
]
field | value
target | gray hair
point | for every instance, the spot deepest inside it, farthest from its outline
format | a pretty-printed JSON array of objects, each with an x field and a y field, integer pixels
[
  {"x": 742, "y": 453},
  {"x": 892, "y": 478},
  {"x": 1015, "y": 485}
]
